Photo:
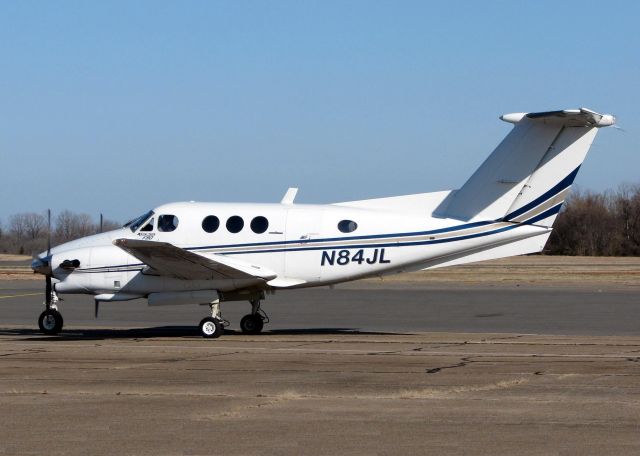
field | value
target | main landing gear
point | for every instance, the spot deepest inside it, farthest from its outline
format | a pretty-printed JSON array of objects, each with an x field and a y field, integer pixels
[
  {"x": 254, "y": 322},
  {"x": 213, "y": 327}
]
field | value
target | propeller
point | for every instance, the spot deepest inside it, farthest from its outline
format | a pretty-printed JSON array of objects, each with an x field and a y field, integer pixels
[{"x": 48, "y": 275}]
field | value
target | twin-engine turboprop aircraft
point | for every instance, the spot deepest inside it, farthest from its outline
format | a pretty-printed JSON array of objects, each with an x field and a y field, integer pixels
[{"x": 209, "y": 253}]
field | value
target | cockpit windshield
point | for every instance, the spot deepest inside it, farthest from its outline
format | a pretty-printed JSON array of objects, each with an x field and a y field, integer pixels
[{"x": 138, "y": 221}]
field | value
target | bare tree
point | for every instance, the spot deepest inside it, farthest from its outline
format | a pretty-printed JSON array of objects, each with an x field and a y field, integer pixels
[
  {"x": 627, "y": 208},
  {"x": 598, "y": 224},
  {"x": 108, "y": 225},
  {"x": 71, "y": 226},
  {"x": 27, "y": 232},
  {"x": 18, "y": 227},
  {"x": 3, "y": 240},
  {"x": 35, "y": 225}
]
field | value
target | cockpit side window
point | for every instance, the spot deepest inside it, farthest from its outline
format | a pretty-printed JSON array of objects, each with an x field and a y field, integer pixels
[
  {"x": 148, "y": 226},
  {"x": 137, "y": 222},
  {"x": 167, "y": 223}
]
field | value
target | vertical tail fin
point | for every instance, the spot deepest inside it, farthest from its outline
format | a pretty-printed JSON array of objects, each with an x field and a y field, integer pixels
[{"x": 529, "y": 174}]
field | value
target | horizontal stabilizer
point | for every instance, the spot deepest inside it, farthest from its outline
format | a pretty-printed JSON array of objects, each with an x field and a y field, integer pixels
[{"x": 582, "y": 117}]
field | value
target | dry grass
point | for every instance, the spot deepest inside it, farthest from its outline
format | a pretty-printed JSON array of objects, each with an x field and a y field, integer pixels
[
  {"x": 10, "y": 257},
  {"x": 535, "y": 269}
]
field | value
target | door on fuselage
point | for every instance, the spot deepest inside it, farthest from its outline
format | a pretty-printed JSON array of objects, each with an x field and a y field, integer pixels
[{"x": 301, "y": 260}]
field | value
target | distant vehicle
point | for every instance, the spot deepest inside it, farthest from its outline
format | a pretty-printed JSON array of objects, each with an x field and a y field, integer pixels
[{"x": 209, "y": 253}]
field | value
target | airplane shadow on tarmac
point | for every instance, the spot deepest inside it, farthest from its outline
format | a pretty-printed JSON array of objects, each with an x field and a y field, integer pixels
[{"x": 169, "y": 332}]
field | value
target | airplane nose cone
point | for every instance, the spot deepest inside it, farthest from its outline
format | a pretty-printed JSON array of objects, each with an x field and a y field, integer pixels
[{"x": 42, "y": 265}]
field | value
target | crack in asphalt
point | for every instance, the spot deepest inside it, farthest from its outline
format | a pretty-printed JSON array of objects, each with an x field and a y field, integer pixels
[
  {"x": 23, "y": 352},
  {"x": 463, "y": 362}
]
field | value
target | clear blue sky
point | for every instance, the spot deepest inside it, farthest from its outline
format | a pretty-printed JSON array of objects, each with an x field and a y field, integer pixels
[{"x": 118, "y": 106}]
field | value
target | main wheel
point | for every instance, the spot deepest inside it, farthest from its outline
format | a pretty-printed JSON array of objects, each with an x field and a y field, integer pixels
[
  {"x": 251, "y": 324},
  {"x": 50, "y": 322},
  {"x": 211, "y": 328}
]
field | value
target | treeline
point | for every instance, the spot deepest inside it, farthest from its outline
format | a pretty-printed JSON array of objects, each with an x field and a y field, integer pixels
[
  {"x": 590, "y": 224},
  {"x": 26, "y": 233},
  {"x": 598, "y": 224}
]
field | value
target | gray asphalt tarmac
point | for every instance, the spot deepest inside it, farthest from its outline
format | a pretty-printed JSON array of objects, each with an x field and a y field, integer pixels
[
  {"x": 367, "y": 307},
  {"x": 366, "y": 368}
]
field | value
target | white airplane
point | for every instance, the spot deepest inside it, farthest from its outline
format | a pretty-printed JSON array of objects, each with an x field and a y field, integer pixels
[{"x": 208, "y": 253}]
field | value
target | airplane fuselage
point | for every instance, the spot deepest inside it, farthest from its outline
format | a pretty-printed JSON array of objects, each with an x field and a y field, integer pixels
[{"x": 303, "y": 245}]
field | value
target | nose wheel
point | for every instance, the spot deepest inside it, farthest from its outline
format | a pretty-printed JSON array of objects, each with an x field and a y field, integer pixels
[{"x": 50, "y": 322}]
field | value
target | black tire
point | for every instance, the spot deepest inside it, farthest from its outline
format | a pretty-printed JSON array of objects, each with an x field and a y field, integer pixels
[
  {"x": 211, "y": 328},
  {"x": 251, "y": 324},
  {"x": 50, "y": 322}
]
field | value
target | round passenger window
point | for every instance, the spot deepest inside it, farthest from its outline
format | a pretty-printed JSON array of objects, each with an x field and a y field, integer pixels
[
  {"x": 167, "y": 223},
  {"x": 259, "y": 224},
  {"x": 210, "y": 223},
  {"x": 235, "y": 224},
  {"x": 347, "y": 226}
]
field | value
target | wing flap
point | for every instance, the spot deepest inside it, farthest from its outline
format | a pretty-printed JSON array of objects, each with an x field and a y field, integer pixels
[{"x": 169, "y": 260}]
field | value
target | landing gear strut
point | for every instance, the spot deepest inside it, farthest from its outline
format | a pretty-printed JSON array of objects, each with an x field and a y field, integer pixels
[
  {"x": 50, "y": 321},
  {"x": 254, "y": 322},
  {"x": 212, "y": 327}
]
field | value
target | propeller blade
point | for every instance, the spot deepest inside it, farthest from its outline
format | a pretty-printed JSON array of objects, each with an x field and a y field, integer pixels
[
  {"x": 48, "y": 232},
  {"x": 47, "y": 297}
]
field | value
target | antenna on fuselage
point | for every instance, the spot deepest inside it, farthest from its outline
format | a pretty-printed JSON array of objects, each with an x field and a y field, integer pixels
[
  {"x": 289, "y": 196},
  {"x": 101, "y": 222}
]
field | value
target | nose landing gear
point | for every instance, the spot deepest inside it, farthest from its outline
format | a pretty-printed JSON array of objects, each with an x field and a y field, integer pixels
[{"x": 50, "y": 321}]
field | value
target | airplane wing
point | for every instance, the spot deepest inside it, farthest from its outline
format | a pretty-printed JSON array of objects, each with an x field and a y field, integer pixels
[{"x": 167, "y": 259}]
